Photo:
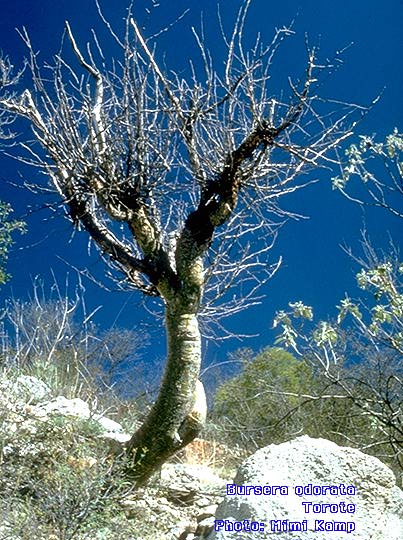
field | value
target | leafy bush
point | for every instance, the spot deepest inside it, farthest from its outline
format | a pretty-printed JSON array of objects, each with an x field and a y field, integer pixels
[
  {"x": 7, "y": 227},
  {"x": 254, "y": 407},
  {"x": 277, "y": 397}
]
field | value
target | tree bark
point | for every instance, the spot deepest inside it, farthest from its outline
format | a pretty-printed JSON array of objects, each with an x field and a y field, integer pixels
[{"x": 179, "y": 412}]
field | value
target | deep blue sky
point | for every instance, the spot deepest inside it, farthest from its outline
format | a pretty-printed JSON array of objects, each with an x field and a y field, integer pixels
[{"x": 315, "y": 268}]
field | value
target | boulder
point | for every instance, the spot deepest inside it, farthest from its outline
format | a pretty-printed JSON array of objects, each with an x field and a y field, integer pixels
[
  {"x": 27, "y": 403},
  {"x": 111, "y": 431},
  {"x": 311, "y": 489},
  {"x": 25, "y": 388},
  {"x": 108, "y": 425},
  {"x": 76, "y": 408}
]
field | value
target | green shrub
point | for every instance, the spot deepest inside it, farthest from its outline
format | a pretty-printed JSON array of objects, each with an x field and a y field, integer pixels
[{"x": 277, "y": 397}]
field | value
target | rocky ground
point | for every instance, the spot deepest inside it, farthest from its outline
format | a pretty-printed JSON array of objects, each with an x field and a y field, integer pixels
[
  {"x": 181, "y": 505},
  {"x": 56, "y": 456}
]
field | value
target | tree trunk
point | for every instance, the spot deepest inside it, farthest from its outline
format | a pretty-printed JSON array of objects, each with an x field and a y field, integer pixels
[{"x": 179, "y": 412}]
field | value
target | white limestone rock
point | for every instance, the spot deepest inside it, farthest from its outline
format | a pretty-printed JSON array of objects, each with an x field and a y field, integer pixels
[
  {"x": 108, "y": 425},
  {"x": 25, "y": 389},
  {"x": 75, "y": 407},
  {"x": 303, "y": 462}
]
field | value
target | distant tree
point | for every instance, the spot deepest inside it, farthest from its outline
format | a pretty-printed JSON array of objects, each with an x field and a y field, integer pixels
[
  {"x": 253, "y": 408},
  {"x": 277, "y": 397},
  {"x": 52, "y": 336},
  {"x": 176, "y": 177}
]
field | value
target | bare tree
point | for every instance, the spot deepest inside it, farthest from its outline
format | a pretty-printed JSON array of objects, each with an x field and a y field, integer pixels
[
  {"x": 177, "y": 181},
  {"x": 52, "y": 335}
]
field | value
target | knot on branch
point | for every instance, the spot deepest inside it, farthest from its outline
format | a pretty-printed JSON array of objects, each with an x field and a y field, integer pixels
[{"x": 266, "y": 133}]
